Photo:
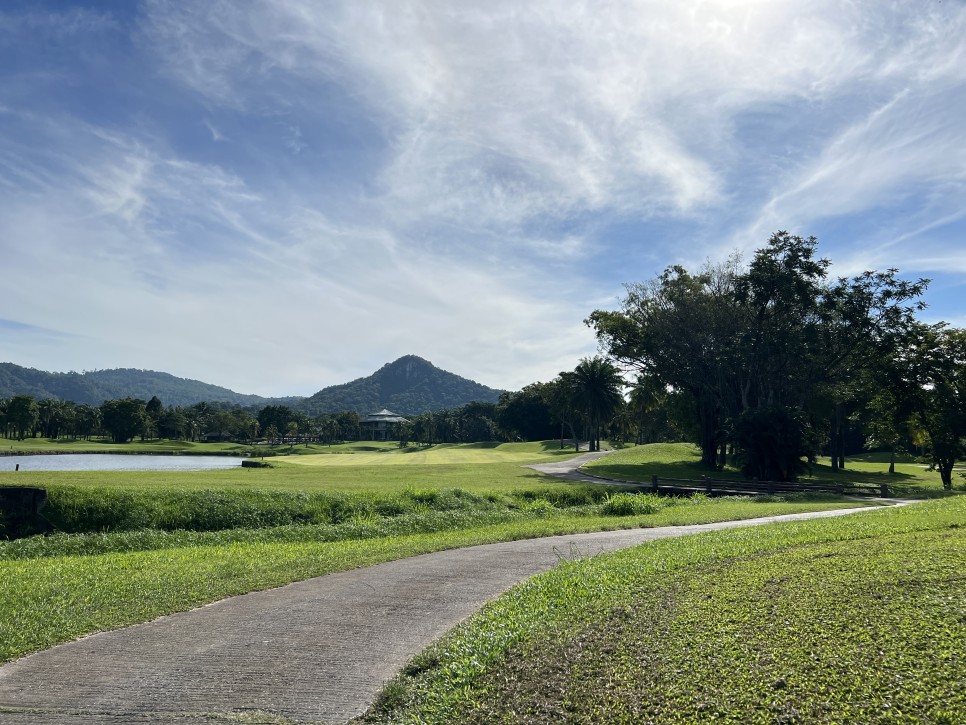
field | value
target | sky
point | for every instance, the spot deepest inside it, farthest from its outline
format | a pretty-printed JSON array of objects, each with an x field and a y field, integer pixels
[{"x": 280, "y": 195}]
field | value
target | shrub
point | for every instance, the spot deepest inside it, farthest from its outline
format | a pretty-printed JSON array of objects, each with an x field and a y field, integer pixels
[{"x": 631, "y": 504}]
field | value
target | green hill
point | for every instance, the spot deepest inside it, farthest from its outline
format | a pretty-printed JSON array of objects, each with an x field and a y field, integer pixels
[
  {"x": 96, "y": 386},
  {"x": 408, "y": 386}
]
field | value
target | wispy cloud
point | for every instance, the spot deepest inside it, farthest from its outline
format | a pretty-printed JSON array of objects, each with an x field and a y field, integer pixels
[
  {"x": 56, "y": 24},
  {"x": 353, "y": 181}
]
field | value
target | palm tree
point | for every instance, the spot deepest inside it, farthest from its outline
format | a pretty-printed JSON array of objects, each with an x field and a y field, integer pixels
[{"x": 597, "y": 385}]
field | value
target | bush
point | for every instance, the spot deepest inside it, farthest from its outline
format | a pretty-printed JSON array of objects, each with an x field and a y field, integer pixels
[{"x": 631, "y": 504}]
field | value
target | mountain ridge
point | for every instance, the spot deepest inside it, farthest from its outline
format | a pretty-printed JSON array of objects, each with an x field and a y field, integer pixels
[{"x": 409, "y": 385}]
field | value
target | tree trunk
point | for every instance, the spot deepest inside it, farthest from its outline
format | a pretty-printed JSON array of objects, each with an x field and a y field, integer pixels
[
  {"x": 708, "y": 428},
  {"x": 892, "y": 460},
  {"x": 837, "y": 437},
  {"x": 946, "y": 473}
]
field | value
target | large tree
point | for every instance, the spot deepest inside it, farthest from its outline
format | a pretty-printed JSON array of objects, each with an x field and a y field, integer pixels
[
  {"x": 771, "y": 345},
  {"x": 680, "y": 330},
  {"x": 596, "y": 386},
  {"x": 123, "y": 419},
  {"x": 938, "y": 379},
  {"x": 20, "y": 416},
  {"x": 526, "y": 414}
]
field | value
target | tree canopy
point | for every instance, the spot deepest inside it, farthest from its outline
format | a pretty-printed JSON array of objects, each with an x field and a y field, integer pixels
[{"x": 771, "y": 354}]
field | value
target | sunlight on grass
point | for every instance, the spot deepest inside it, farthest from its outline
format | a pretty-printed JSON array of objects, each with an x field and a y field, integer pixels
[{"x": 834, "y": 620}]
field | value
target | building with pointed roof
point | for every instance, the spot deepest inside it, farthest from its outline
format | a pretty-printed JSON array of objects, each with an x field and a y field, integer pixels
[{"x": 381, "y": 425}]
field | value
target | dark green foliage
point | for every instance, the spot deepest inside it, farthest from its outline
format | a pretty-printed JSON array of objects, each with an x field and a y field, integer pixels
[
  {"x": 937, "y": 369},
  {"x": 772, "y": 444},
  {"x": 777, "y": 335},
  {"x": 19, "y": 416},
  {"x": 89, "y": 509},
  {"x": 595, "y": 393},
  {"x": 123, "y": 419},
  {"x": 527, "y": 415},
  {"x": 94, "y": 387},
  {"x": 629, "y": 504},
  {"x": 408, "y": 386},
  {"x": 275, "y": 416}
]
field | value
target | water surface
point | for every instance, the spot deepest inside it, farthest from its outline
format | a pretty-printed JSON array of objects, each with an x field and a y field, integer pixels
[{"x": 109, "y": 462}]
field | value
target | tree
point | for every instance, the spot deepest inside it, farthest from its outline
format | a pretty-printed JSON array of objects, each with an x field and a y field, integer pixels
[
  {"x": 475, "y": 422},
  {"x": 87, "y": 419},
  {"x": 21, "y": 416},
  {"x": 271, "y": 433},
  {"x": 173, "y": 423},
  {"x": 679, "y": 329},
  {"x": 563, "y": 409},
  {"x": 596, "y": 388},
  {"x": 52, "y": 415},
  {"x": 154, "y": 410},
  {"x": 123, "y": 419},
  {"x": 526, "y": 414},
  {"x": 275, "y": 415},
  {"x": 647, "y": 396},
  {"x": 776, "y": 337},
  {"x": 938, "y": 368}
]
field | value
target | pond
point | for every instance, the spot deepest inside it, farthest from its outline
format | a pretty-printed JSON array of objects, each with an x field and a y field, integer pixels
[{"x": 109, "y": 462}]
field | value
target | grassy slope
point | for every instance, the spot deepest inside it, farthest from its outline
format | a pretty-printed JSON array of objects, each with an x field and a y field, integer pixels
[
  {"x": 846, "y": 620},
  {"x": 683, "y": 460}
]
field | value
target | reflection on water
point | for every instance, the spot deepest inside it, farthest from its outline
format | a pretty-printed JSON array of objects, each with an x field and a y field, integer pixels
[{"x": 99, "y": 462}]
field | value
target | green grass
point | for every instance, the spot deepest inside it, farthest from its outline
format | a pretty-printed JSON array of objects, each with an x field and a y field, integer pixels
[
  {"x": 683, "y": 460},
  {"x": 858, "y": 619},
  {"x": 357, "y": 467},
  {"x": 61, "y": 587},
  {"x": 151, "y": 543}
]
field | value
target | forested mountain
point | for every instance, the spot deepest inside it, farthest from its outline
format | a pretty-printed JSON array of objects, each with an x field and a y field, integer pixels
[
  {"x": 94, "y": 387},
  {"x": 408, "y": 386}
]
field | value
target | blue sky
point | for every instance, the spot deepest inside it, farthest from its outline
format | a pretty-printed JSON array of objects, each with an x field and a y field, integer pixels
[{"x": 283, "y": 195}]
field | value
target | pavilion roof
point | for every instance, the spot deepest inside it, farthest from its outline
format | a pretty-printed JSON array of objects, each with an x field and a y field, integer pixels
[{"x": 384, "y": 416}]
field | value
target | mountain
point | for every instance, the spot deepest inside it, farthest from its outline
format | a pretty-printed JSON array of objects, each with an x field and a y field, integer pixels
[
  {"x": 97, "y": 386},
  {"x": 408, "y": 386}
]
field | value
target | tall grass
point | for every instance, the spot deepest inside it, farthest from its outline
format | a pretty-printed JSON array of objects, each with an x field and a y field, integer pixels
[{"x": 78, "y": 509}]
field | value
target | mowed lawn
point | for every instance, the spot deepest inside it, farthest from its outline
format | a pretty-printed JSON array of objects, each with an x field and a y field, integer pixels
[
  {"x": 148, "y": 544},
  {"x": 442, "y": 454},
  {"x": 683, "y": 460},
  {"x": 858, "y": 619},
  {"x": 357, "y": 467}
]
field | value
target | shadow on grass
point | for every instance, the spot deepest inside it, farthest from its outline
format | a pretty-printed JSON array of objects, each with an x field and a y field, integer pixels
[
  {"x": 642, "y": 472},
  {"x": 823, "y": 473}
]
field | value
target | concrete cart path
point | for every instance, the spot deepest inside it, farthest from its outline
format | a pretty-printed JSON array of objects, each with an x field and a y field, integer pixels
[
  {"x": 317, "y": 650},
  {"x": 570, "y": 468}
]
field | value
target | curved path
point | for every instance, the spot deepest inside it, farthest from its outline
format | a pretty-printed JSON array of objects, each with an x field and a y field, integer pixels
[
  {"x": 570, "y": 468},
  {"x": 316, "y": 651}
]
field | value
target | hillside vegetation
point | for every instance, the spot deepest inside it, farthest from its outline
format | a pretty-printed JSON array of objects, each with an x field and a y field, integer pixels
[
  {"x": 409, "y": 385},
  {"x": 96, "y": 386}
]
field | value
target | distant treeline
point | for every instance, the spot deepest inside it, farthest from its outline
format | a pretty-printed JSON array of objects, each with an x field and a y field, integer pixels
[{"x": 126, "y": 419}]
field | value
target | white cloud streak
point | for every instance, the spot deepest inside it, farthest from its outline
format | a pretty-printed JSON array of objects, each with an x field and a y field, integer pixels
[{"x": 489, "y": 146}]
